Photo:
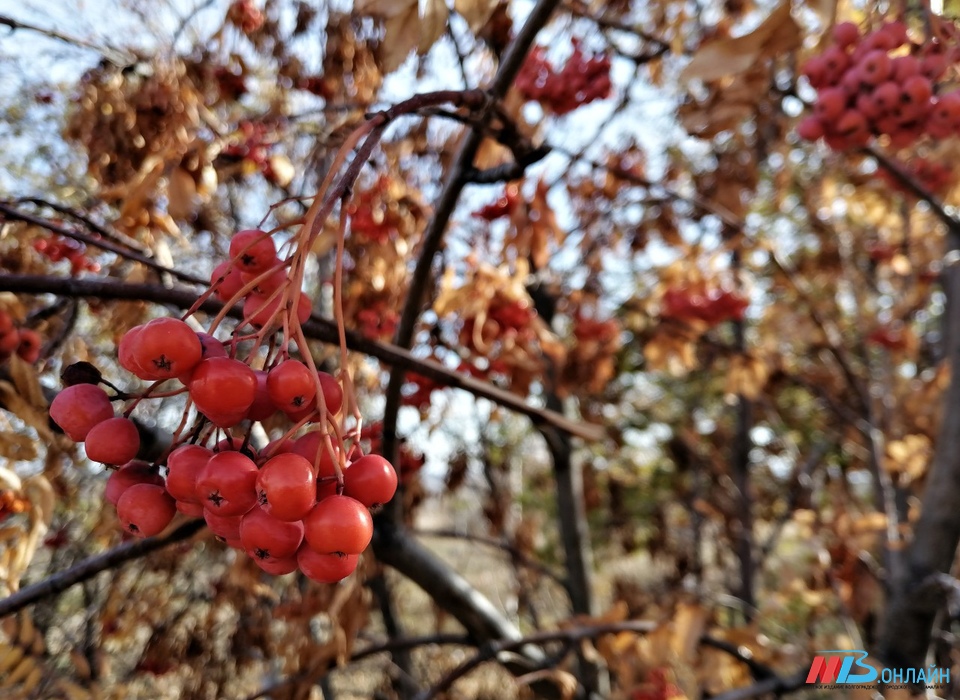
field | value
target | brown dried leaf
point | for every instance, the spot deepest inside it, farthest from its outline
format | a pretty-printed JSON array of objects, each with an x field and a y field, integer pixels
[
  {"x": 402, "y": 35},
  {"x": 476, "y": 12},
  {"x": 777, "y": 34},
  {"x": 384, "y": 8},
  {"x": 433, "y": 24},
  {"x": 181, "y": 194},
  {"x": 27, "y": 381}
]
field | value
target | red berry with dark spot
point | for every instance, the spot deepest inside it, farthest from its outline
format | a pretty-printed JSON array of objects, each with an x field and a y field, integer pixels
[{"x": 145, "y": 510}]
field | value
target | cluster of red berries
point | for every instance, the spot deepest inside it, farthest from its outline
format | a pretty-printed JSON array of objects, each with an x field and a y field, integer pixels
[
  {"x": 582, "y": 79},
  {"x": 932, "y": 176},
  {"x": 889, "y": 336},
  {"x": 56, "y": 248},
  {"x": 298, "y": 504},
  {"x": 503, "y": 207},
  {"x": 371, "y": 216},
  {"x": 869, "y": 86},
  {"x": 715, "y": 306},
  {"x": 22, "y": 341},
  {"x": 257, "y": 138}
]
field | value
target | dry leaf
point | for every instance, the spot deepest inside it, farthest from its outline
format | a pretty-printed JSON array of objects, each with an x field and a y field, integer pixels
[
  {"x": 384, "y": 8},
  {"x": 476, "y": 12},
  {"x": 778, "y": 33},
  {"x": 181, "y": 194},
  {"x": 433, "y": 24},
  {"x": 402, "y": 35},
  {"x": 282, "y": 169}
]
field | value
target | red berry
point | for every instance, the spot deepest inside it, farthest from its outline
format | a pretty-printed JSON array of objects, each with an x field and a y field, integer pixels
[
  {"x": 886, "y": 96},
  {"x": 278, "y": 567},
  {"x": 9, "y": 342},
  {"x": 77, "y": 409},
  {"x": 223, "y": 389},
  {"x": 210, "y": 347},
  {"x": 287, "y": 487},
  {"x": 291, "y": 385},
  {"x": 372, "y": 480},
  {"x": 183, "y": 466},
  {"x": 166, "y": 347},
  {"x": 338, "y": 524},
  {"x": 904, "y": 67},
  {"x": 830, "y": 104},
  {"x": 846, "y": 34},
  {"x": 126, "y": 350},
  {"x": 262, "y": 406},
  {"x": 253, "y": 251},
  {"x": 315, "y": 447},
  {"x": 269, "y": 284},
  {"x": 875, "y": 67},
  {"x": 113, "y": 441},
  {"x": 145, "y": 509},
  {"x": 810, "y": 129},
  {"x": 191, "y": 510},
  {"x": 225, "y": 526},
  {"x": 265, "y": 537},
  {"x": 326, "y": 568},
  {"x": 226, "y": 485},
  {"x": 259, "y": 310},
  {"x": 28, "y": 349},
  {"x": 133, "y": 472},
  {"x": 226, "y": 281}
]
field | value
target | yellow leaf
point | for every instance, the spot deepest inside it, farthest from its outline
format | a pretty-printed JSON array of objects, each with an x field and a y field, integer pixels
[
  {"x": 476, "y": 12},
  {"x": 778, "y": 33}
]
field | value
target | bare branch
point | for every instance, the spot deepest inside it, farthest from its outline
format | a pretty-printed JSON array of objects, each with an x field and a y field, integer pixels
[{"x": 316, "y": 328}]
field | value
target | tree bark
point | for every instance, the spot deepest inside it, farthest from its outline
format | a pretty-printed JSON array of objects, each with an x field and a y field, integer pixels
[{"x": 914, "y": 603}]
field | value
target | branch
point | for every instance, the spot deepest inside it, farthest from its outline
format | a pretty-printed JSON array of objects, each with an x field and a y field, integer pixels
[
  {"x": 513, "y": 551},
  {"x": 118, "y": 57},
  {"x": 513, "y": 59},
  {"x": 90, "y": 567},
  {"x": 317, "y": 328},
  {"x": 12, "y": 213}
]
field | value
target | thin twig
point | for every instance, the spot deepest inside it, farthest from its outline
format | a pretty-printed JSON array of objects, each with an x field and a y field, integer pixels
[
  {"x": 115, "y": 55},
  {"x": 14, "y": 214},
  {"x": 90, "y": 567}
]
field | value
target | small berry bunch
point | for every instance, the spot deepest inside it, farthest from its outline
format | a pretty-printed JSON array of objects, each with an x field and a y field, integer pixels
[
  {"x": 933, "y": 176},
  {"x": 56, "y": 248},
  {"x": 23, "y": 342},
  {"x": 299, "y": 503},
  {"x": 582, "y": 80},
  {"x": 505, "y": 205},
  {"x": 880, "y": 83},
  {"x": 711, "y": 307}
]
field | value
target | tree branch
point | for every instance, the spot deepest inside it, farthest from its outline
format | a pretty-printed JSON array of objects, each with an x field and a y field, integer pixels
[
  {"x": 13, "y": 214},
  {"x": 513, "y": 59},
  {"x": 316, "y": 328},
  {"x": 90, "y": 567}
]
